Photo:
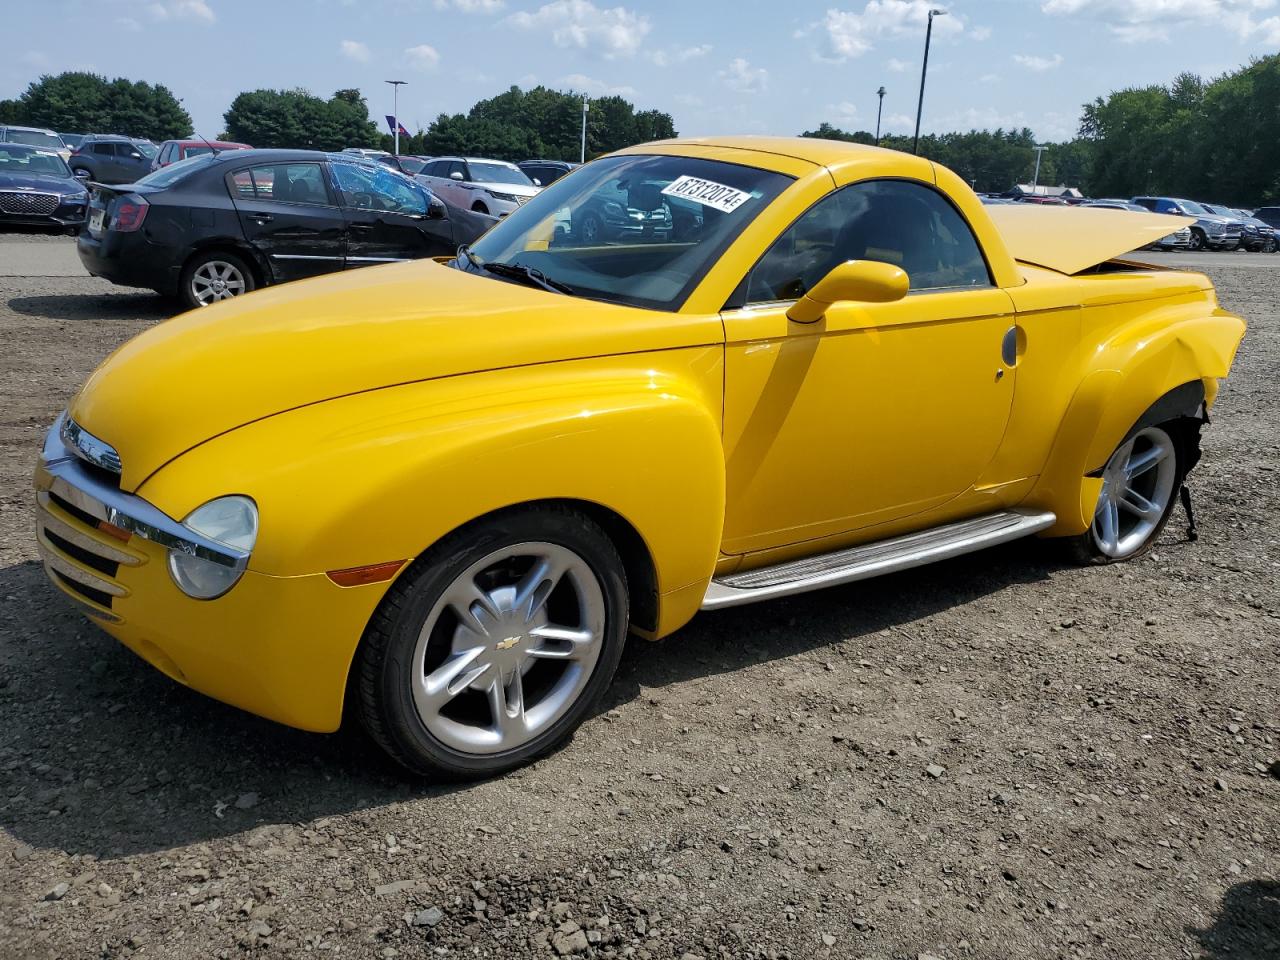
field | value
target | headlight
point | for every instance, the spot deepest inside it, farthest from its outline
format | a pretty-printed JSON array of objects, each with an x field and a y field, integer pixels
[
  {"x": 229, "y": 520},
  {"x": 505, "y": 197}
]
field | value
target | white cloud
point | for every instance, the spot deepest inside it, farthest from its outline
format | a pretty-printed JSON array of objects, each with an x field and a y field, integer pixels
[
  {"x": 1038, "y": 64},
  {"x": 1134, "y": 22},
  {"x": 194, "y": 10},
  {"x": 663, "y": 58},
  {"x": 471, "y": 6},
  {"x": 354, "y": 50},
  {"x": 980, "y": 33},
  {"x": 848, "y": 33},
  {"x": 744, "y": 78},
  {"x": 613, "y": 32},
  {"x": 844, "y": 111},
  {"x": 898, "y": 66},
  {"x": 423, "y": 57},
  {"x": 596, "y": 88}
]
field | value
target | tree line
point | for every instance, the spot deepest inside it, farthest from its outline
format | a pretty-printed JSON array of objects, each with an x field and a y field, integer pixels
[{"x": 1214, "y": 139}]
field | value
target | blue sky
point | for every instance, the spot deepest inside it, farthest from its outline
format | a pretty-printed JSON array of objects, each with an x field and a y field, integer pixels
[{"x": 716, "y": 66}]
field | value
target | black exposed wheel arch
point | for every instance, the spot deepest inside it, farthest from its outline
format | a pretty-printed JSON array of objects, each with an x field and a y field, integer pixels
[{"x": 1184, "y": 402}]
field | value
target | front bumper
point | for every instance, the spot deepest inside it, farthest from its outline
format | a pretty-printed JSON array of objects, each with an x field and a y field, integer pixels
[
  {"x": 64, "y": 215},
  {"x": 279, "y": 647}
]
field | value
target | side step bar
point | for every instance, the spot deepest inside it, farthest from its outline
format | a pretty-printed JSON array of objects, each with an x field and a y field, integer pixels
[{"x": 873, "y": 559}]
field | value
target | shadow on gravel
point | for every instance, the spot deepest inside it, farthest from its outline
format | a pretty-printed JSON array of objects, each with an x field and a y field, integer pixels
[
  {"x": 103, "y": 754},
  {"x": 109, "y": 306},
  {"x": 1248, "y": 924}
]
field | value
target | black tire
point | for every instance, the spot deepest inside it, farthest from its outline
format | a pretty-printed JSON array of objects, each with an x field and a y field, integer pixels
[
  {"x": 385, "y": 662},
  {"x": 1086, "y": 549},
  {"x": 592, "y": 228},
  {"x": 1197, "y": 240},
  {"x": 479, "y": 207},
  {"x": 187, "y": 295}
]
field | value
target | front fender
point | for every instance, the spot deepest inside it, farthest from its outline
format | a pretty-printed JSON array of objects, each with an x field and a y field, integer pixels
[
  {"x": 380, "y": 476},
  {"x": 1130, "y": 376}
]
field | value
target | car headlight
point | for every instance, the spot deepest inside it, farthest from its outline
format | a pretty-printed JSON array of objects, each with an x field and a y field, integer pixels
[
  {"x": 228, "y": 520},
  {"x": 505, "y": 197}
]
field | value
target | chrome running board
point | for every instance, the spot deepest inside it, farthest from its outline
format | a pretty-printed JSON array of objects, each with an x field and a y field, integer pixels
[{"x": 873, "y": 559}]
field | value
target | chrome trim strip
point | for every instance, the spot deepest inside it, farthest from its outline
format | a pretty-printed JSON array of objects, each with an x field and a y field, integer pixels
[
  {"x": 301, "y": 256},
  {"x": 72, "y": 482},
  {"x": 48, "y": 521},
  {"x": 377, "y": 259},
  {"x": 84, "y": 444},
  {"x": 55, "y": 561},
  {"x": 874, "y": 559}
]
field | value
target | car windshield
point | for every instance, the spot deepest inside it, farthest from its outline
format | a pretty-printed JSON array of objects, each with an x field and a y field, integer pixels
[
  {"x": 34, "y": 138},
  {"x": 168, "y": 176},
  {"x": 148, "y": 150},
  {"x": 641, "y": 230},
  {"x": 1193, "y": 208},
  {"x": 23, "y": 159},
  {"x": 482, "y": 172},
  {"x": 412, "y": 165}
]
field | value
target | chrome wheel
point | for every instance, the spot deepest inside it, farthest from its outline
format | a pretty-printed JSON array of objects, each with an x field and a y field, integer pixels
[
  {"x": 216, "y": 280},
  {"x": 508, "y": 648},
  {"x": 1138, "y": 485}
]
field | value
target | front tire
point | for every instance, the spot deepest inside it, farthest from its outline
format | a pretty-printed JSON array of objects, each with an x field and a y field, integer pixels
[
  {"x": 495, "y": 645},
  {"x": 1197, "y": 241},
  {"x": 1140, "y": 486}
]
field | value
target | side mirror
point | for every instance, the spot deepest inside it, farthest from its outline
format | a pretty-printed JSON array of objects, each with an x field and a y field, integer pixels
[
  {"x": 858, "y": 281},
  {"x": 435, "y": 209},
  {"x": 537, "y": 182},
  {"x": 456, "y": 175},
  {"x": 136, "y": 155}
]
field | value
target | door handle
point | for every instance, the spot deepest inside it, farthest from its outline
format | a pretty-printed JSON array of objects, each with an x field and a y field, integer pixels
[{"x": 1009, "y": 346}]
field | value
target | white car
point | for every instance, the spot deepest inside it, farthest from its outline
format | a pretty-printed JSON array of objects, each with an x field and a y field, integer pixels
[
  {"x": 494, "y": 187},
  {"x": 36, "y": 137}
]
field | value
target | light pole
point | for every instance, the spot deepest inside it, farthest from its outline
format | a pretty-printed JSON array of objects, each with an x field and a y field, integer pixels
[
  {"x": 924, "y": 69},
  {"x": 879, "y": 111},
  {"x": 395, "y": 109},
  {"x": 1035, "y": 177},
  {"x": 583, "y": 158}
]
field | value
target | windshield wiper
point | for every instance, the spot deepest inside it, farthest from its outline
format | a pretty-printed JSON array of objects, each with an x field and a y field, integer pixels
[
  {"x": 530, "y": 275},
  {"x": 464, "y": 254}
]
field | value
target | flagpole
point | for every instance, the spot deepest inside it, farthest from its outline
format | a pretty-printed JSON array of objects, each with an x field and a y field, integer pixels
[{"x": 395, "y": 109}]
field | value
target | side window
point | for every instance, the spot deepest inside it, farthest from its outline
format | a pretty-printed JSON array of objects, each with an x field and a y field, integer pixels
[
  {"x": 102, "y": 149},
  {"x": 1166, "y": 206},
  {"x": 369, "y": 188},
  {"x": 281, "y": 182},
  {"x": 893, "y": 221}
]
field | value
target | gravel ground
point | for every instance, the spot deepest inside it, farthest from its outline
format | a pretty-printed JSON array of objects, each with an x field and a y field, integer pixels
[{"x": 1004, "y": 756}]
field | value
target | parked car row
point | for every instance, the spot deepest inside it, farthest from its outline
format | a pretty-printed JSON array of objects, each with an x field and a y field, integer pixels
[{"x": 217, "y": 225}]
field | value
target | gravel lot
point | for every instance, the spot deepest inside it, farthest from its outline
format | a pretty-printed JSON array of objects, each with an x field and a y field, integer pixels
[{"x": 1004, "y": 756}]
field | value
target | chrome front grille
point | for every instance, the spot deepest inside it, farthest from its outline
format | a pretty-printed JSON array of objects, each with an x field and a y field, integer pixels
[
  {"x": 25, "y": 202},
  {"x": 79, "y": 556}
]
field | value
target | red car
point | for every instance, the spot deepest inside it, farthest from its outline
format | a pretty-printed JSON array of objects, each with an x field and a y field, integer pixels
[{"x": 171, "y": 151}]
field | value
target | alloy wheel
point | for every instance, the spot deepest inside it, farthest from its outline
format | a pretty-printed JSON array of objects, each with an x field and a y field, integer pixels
[
  {"x": 1138, "y": 485},
  {"x": 508, "y": 648},
  {"x": 216, "y": 280}
]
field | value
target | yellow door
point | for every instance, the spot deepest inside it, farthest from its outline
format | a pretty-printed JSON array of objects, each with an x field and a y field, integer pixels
[{"x": 876, "y": 411}]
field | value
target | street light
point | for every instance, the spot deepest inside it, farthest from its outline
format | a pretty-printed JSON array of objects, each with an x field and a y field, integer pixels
[
  {"x": 924, "y": 68},
  {"x": 583, "y": 158},
  {"x": 395, "y": 109},
  {"x": 1035, "y": 177},
  {"x": 879, "y": 111}
]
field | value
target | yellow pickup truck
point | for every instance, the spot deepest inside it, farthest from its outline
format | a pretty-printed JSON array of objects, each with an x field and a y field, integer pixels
[{"x": 689, "y": 375}]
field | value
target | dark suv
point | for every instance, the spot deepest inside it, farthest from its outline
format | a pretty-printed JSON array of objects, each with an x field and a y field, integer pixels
[
  {"x": 109, "y": 159},
  {"x": 1269, "y": 216},
  {"x": 546, "y": 172},
  {"x": 1209, "y": 231}
]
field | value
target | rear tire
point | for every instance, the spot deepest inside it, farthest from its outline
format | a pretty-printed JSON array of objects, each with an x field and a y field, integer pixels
[
  {"x": 1139, "y": 492},
  {"x": 495, "y": 645},
  {"x": 212, "y": 277}
]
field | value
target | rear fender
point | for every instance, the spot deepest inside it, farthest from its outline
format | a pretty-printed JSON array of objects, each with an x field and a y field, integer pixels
[
  {"x": 1148, "y": 373},
  {"x": 382, "y": 475}
]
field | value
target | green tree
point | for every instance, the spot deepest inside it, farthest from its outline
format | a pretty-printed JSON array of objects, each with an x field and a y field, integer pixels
[
  {"x": 826, "y": 131},
  {"x": 86, "y": 102},
  {"x": 299, "y": 119}
]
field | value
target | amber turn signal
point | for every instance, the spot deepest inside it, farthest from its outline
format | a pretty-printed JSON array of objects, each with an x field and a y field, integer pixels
[{"x": 358, "y": 576}]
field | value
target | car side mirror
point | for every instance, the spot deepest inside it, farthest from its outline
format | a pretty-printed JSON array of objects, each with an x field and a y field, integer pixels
[
  {"x": 455, "y": 175},
  {"x": 537, "y": 182},
  {"x": 436, "y": 210},
  {"x": 136, "y": 155},
  {"x": 858, "y": 281}
]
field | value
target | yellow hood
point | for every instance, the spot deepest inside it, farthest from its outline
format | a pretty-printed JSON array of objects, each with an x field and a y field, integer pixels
[
  {"x": 209, "y": 371},
  {"x": 1072, "y": 239}
]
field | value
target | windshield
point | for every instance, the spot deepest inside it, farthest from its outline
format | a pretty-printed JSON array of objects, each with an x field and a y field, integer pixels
[
  {"x": 34, "y": 138},
  {"x": 21, "y": 159},
  {"x": 639, "y": 230},
  {"x": 412, "y": 165},
  {"x": 497, "y": 173},
  {"x": 148, "y": 150},
  {"x": 1193, "y": 208},
  {"x": 167, "y": 176}
]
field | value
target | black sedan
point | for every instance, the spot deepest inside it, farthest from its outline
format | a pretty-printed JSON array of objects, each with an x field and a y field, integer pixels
[
  {"x": 36, "y": 187},
  {"x": 218, "y": 225}
]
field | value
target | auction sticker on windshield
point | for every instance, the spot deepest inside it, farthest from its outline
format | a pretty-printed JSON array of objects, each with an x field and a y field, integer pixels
[{"x": 706, "y": 192}]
